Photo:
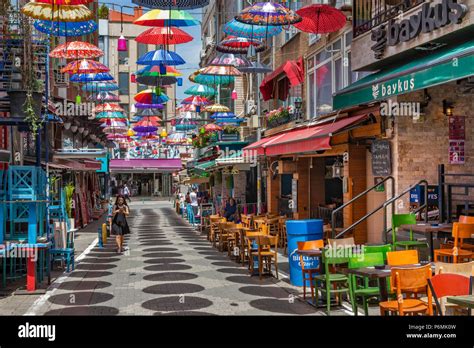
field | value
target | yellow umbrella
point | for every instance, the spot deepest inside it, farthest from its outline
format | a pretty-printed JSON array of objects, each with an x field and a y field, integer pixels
[
  {"x": 217, "y": 108},
  {"x": 63, "y": 13}
]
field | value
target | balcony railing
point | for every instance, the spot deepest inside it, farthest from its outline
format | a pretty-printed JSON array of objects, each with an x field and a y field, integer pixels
[
  {"x": 280, "y": 121},
  {"x": 368, "y": 14}
]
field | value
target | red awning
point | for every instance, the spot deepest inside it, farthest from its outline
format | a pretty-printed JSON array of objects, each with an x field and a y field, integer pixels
[
  {"x": 311, "y": 139},
  {"x": 294, "y": 76}
]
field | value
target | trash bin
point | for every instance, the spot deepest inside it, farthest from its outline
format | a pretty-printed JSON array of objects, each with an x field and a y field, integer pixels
[{"x": 301, "y": 231}]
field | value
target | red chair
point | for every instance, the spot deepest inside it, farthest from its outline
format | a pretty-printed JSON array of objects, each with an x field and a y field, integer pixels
[{"x": 446, "y": 284}]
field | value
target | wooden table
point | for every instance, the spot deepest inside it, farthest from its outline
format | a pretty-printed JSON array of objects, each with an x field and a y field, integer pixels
[
  {"x": 462, "y": 301},
  {"x": 428, "y": 228}
]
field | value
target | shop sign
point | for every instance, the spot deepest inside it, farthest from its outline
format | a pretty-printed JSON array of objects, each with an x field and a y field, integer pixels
[{"x": 430, "y": 18}]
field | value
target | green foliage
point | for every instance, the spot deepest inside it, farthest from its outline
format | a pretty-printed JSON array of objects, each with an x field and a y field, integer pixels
[
  {"x": 31, "y": 117},
  {"x": 231, "y": 130},
  {"x": 103, "y": 12},
  {"x": 69, "y": 191}
]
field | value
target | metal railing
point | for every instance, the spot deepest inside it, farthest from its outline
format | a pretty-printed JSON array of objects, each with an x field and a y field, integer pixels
[
  {"x": 392, "y": 200},
  {"x": 365, "y": 217}
]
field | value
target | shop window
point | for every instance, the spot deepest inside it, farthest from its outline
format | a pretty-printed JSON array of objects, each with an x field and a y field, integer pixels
[
  {"x": 123, "y": 57},
  {"x": 142, "y": 49},
  {"x": 124, "y": 83}
]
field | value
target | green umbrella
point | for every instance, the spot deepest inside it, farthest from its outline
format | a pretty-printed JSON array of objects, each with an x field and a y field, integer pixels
[{"x": 201, "y": 90}]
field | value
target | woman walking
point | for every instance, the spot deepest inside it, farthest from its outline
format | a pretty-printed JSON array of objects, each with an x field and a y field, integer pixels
[{"x": 119, "y": 222}]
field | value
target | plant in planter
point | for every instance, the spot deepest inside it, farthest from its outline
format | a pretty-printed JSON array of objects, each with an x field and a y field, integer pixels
[{"x": 231, "y": 130}]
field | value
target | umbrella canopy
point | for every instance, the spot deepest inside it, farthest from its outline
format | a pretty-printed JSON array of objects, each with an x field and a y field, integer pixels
[
  {"x": 255, "y": 68},
  {"x": 67, "y": 29},
  {"x": 232, "y": 121},
  {"x": 150, "y": 121},
  {"x": 176, "y": 138},
  {"x": 107, "y": 107},
  {"x": 196, "y": 101},
  {"x": 113, "y": 123},
  {"x": 164, "y": 36},
  {"x": 115, "y": 130},
  {"x": 185, "y": 127},
  {"x": 65, "y": 2},
  {"x": 84, "y": 66},
  {"x": 221, "y": 70},
  {"x": 222, "y": 115},
  {"x": 239, "y": 45},
  {"x": 231, "y": 59},
  {"x": 117, "y": 137},
  {"x": 154, "y": 70},
  {"x": 217, "y": 108},
  {"x": 268, "y": 14},
  {"x": 201, "y": 90},
  {"x": 156, "y": 81},
  {"x": 158, "y": 57},
  {"x": 249, "y": 31},
  {"x": 143, "y": 106},
  {"x": 172, "y": 4},
  {"x": 198, "y": 77},
  {"x": 211, "y": 127},
  {"x": 320, "y": 19},
  {"x": 96, "y": 87},
  {"x": 64, "y": 13},
  {"x": 150, "y": 97},
  {"x": 148, "y": 113},
  {"x": 166, "y": 18},
  {"x": 111, "y": 115},
  {"x": 76, "y": 50},
  {"x": 145, "y": 130},
  {"x": 187, "y": 108},
  {"x": 83, "y": 78},
  {"x": 104, "y": 97}
]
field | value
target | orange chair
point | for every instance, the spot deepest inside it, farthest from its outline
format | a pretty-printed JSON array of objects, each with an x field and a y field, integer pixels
[
  {"x": 250, "y": 236},
  {"x": 310, "y": 272},
  {"x": 267, "y": 252},
  {"x": 409, "y": 280},
  {"x": 464, "y": 220},
  {"x": 404, "y": 257},
  {"x": 446, "y": 284},
  {"x": 461, "y": 231}
]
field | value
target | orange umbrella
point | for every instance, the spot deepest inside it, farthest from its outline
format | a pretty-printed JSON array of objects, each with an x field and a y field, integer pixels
[
  {"x": 76, "y": 50},
  {"x": 84, "y": 67},
  {"x": 212, "y": 127}
]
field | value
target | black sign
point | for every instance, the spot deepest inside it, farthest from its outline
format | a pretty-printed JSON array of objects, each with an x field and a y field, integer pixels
[
  {"x": 381, "y": 158},
  {"x": 425, "y": 21}
]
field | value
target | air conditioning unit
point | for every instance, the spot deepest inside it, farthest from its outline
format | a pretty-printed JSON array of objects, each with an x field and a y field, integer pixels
[
  {"x": 250, "y": 107},
  {"x": 209, "y": 42}
]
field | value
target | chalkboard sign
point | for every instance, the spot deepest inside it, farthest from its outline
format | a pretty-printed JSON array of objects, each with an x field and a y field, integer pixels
[{"x": 381, "y": 158}]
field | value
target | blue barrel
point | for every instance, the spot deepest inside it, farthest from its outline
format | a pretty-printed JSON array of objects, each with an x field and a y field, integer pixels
[{"x": 301, "y": 231}]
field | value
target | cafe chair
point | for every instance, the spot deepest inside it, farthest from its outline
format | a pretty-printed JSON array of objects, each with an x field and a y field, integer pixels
[
  {"x": 465, "y": 269},
  {"x": 403, "y": 257},
  {"x": 224, "y": 234},
  {"x": 214, "y": 230},
  {"x": 332, "y": 282},
  {"x": 461, "y": 231},
  {"x": 405, "y": 219},
  {"x": 384, "y": 249},
  {"x": 360, "y": 286},
  {"x": 246, "y": 221},
  {"x": 251, "y": 247},
  {"x": 267, "y": 251},
  {"x": 343, "y": 242},
  {"x": 309, "y": 273},
  {"x": 232, "y": 240},
  {"x": 407, "y": 280},
  {"x": 282, "y": 236},
  {"x": 446, "y": 284}
]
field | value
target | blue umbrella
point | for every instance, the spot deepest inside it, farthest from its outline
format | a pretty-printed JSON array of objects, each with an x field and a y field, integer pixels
[
  {"x": 248, "y": 31},
  {"x": 83, "y": 78},
  {"x": 222, "y": 115},
  {"x": 96, "y": 87},
  {"x": 69, "y": 29},
  {"x": 233, "y": 120},
  {"x": 161, "y": 57}
]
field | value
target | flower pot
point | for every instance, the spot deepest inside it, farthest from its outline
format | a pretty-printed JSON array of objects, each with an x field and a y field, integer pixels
[{"x": 18, "y": 100}]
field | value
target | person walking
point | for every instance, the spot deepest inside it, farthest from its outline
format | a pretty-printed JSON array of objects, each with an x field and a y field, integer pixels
[
  {"x": 194, "y": 203},
  {"x": 126, "y": 193},
  {"x": 119, "y": 221}
]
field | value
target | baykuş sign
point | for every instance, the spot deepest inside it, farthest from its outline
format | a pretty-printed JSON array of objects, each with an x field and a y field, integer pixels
[{"x": 430, "y": 18}]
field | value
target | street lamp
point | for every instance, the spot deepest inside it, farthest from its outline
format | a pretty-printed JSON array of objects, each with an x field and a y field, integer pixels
[{"x": 298, "y": 106}]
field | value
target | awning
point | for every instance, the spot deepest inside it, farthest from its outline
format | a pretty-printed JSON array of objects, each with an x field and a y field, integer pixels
[
  {"x": 196, "y": 181},
  {"x": 204, "y": 166},
  {"x": 76, "y": 165},
  {"x": 146, "y": 165},
  {"x": 310, "y": 139},
  {"x": 294, "y": 76},
  {"x": 437, "y": 67}
]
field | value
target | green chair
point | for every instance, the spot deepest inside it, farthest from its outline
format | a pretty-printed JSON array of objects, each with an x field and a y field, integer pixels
[
  {"x": 405, "y": 219},
  {"x": 384, "y": 249},
  {"x": 332, "y": 282},
  {"x": 360, "y": 286}
]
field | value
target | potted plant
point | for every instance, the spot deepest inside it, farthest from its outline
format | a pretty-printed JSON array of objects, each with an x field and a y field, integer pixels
[{"x": 230, "y": 133}]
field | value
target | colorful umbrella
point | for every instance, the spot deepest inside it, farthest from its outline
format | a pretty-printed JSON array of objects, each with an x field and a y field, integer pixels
[
  {"x": 84, "y": 78},
  {"x": 76, "y": 50},
  {"x": 221, "y": 70},
  {"x": 148, "y": 113},
  {"x": 172, "y": 4},
  {"x": 222, "y": 115},
  {"x": 196, "y": 101},
  {"x": 208, "y": 80},
  {"x": 65, "y": 2},
  {"x": 211, "y": 127},
  {"x": 156, "y": 80},
  {"x": 164, "y": 36},
  {"x": 104, "y": 97},
  {"x": 201, "y": 90},
  {"x": 231, "y": 59},
  {"x": 107, "y": 107},
  {"x": 163, "y": 57},
  {"x": 149, "y": 106},
  {"x": 176, "y": 138},
  {"x": 117, "y": 137},
  {"x": 269, "y": 14},
  {"x": 96, "y": 87},
  {"x": 320, "y": 19},
  {"x": 249, "y": 31},
  {"x": 115, "y": 130},
  {"x": 84, "y": 66},
  {"x": 187, "y": 108},
  {"x": 217, "y": 108},
  {"x": 162, "y": 18},
  {"x": 150, "y": 97},
  {"x": 111, "y": 115},
  {"x": 113, "y": 123},
  {"x": 154, "y": 70},
  {"x": 233, "y": 121},
  {"x": 64, "y": 13},
  {"x": 150, "y": 121},
  {"x": 239, "y": 45},
  {"x": 67, "y": 29},
  {"x": 255, "y": 68}
]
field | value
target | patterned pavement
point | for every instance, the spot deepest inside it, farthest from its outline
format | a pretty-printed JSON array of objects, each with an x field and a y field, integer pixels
[{"x": 169, "y": 269}]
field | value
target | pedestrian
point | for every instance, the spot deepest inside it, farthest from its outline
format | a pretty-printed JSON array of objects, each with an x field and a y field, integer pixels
[
  {"x": 119, "y": 221},
  {"x": 194, "y": 202},
  {"x": 126, "y": 192}
]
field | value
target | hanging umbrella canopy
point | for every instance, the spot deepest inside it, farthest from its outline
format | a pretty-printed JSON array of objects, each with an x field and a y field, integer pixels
[
  {"x": 164, "y": 36},
  {"x": 320, "y": 19},
  {"x": 117, "y": 137},
  {"x": 107, "y": 107},
  {"x": 172, "y": 4},
  {"x": 84, "y": 78},
  {"x": 231, "y": 59},
  {"x": 221, "y": 70},
  {"x": 166, "y": 18},
  {"x": 211, "y": 127},
  {"x": 217, "y": 108},
  {"x": 222, "y": 115},
  {"x": 156, "y": 81},
  {"x": 185, "y": 127},
  {"x": 187, "y": 108},
  {"x": 113, "y": 123},
  {"x": 63, "y": 13},
  {"x": 196, "y": 101},
  {"x": 163, "y": 57},
  {"x": 111, "y": 115},
  {"x": 104, "y": 97},
  {"x": 249, "y": 31},
  {"x": 76, "y": 50},
  {"x": 176, "y": 138},
  {"x": 268, "y": 14},
  {"x": 67, "y": 29},
  {"x": 149, "y": 106},
  {"x": 150, "y": 97},
  {"x": 208, "y": 80},
  {"x": 150, "y": 121},
  {"x": 201, "y": 90},
  {"x": 229, "y": 121},
  {"x": 239, "y": 45},
  {"x": 154, "y": 70},
  {"x": 96, "y": 87},
  {"x": 145, "y": 130},
  {"x": 148, "y": 113},
  {"x": 65, "y": 2},
  {"x": 84, "y": 66},
  {"x": 255, "y": 68}
]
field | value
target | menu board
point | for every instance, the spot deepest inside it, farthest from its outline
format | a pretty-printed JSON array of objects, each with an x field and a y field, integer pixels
[
  {"x": 457, "y": 139},
  {"x": 381, "y": 158}
]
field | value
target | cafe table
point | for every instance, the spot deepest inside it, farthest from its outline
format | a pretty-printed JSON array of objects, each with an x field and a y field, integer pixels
[
  {"x": 428, "y": 228},
  {"x": 462, "y": 301}
]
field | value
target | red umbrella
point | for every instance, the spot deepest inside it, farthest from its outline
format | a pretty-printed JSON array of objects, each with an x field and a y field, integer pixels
[
  {"x": 107, "y": 107},
  {"x": 76, "y": 50},
  {"x": 164, "y": 36},
  {"x": 320, "y": 19},
  {"x": 212, "y": 128},
  {"x": 196, "y": 101},
  {"x": 149, "y": 121}
]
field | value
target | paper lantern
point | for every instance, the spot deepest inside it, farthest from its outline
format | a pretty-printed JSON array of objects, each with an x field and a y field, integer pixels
[
  {"x": 78, "y": 99},
  {"x": 234, "y": 95},
  {"x": 122, "y": 44}
]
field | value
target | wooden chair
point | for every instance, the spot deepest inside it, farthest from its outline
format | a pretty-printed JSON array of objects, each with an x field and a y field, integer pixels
[
  {"x": 282, "y": 237},
  {"x": 446, "y": 284},
  {"x": 244, "y": 245},
  {"x": 214, "y": 229},
  {"x": 465, "y": 269},
  {"x": 405, "y": 219},
  {"x": 250, "y": 248},
  {"x": 461, "y": 231},
  {"x": 272, "y": 225},
  {"x": 309, "y": 273},
  {"x": 409, "y": 280},
  {"x": 266, "y": 252},
  {"x": 404, "y": 257},
  {"x": 384, "y": 249},
  {"x": 343, "y": 242},
  {"x": 223, "y": 233},
  {"x": 233, "y": 240},
  {"x": 246, "y": 221}
]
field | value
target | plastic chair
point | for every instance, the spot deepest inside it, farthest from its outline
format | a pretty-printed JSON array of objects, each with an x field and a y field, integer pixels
[
  {"x": 401, "y": 258},
  {"x": 309, "y": 273},
  {"x": 405, "y": 219},
  {"x": 408, "y": 280},
  {"x": 384, "y": 249},
  {"x": 461, "y": 231},
  {"x": 443, "y": 285},
  {"x": 363, "y": 290}
]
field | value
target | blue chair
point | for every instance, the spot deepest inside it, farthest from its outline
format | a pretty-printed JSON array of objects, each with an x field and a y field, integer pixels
[{"x": 65, "y": 254}]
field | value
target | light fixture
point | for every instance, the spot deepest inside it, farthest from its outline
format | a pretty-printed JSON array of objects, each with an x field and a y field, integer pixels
[
  {"x": 448, "y": 108},
  {"x": 163, "y": 133},
  {"x": 74, "y": 128},
  {"x": 122, "y": 41}
]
